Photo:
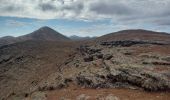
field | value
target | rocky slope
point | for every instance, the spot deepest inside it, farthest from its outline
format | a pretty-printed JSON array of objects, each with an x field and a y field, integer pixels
[
  {"x": 7, "y": 40},
  {"x": 23, "y": 65}
]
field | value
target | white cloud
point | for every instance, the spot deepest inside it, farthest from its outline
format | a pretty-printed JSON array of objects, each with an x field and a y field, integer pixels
[
  {"x": 119, "y": 11},
  {"x": 14, "y": 23}
]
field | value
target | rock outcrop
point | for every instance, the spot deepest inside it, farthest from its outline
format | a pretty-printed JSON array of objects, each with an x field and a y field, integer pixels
[
  {"x": 128, "y": 43},
  {"x": 124, "y": 77},
  {"x": 103, "y": 68}
]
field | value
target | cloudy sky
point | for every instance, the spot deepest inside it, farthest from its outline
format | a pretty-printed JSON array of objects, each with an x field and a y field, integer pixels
[{"x": 83, "y": 17}]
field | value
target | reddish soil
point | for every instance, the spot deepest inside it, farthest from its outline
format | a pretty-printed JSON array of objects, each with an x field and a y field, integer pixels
[
  {"x": 162, "y": 50},
  {"x": 161, "y": 68},
  {"x": 73, "y": 92}
]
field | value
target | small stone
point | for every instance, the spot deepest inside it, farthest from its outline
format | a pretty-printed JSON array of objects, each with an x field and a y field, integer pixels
[
  {"x": 38, "y": 96},
  {"x": 88, "y": 58},
  {"x": 99, "y": 56},
  {"x": 107, "y": 57},
  {"x": 83, "y": 97},
  {"x": 111, "y": 97}
]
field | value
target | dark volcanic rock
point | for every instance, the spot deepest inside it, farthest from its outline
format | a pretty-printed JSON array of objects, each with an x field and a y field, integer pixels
[
  {"x": 88, "y": 58},
  {"x": 107, "y": 57},
  {"x": 124, "y": 77},
  {"x": 99, "y": 55},
  {"x": 157, "y": 63},
  {"x": 5, "y": 58},
  {"x": 128, "y": 43},
  {"x": 88, "y": 50},
  {"x": 166, "y": 59}
]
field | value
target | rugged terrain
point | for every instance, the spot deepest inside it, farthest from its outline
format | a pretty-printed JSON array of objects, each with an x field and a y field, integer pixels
[{"x": 127, "y": 65}]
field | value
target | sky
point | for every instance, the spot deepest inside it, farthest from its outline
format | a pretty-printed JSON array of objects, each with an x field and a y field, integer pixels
[{"x": 83, "y": 17}]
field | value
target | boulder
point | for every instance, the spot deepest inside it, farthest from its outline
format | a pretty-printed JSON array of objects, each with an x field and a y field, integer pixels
[
  {"x": 5, "y": 58},
  {"x": 99, "y": 55},
  {"x": 88, "y": 58}
]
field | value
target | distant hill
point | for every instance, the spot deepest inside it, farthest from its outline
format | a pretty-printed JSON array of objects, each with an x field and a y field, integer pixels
[
  {"x": 43, "y": 34},
  {"x": 7, "y": 40},
  {"x": 139, "y": 34},
  {"x": 77, "y": 38}
]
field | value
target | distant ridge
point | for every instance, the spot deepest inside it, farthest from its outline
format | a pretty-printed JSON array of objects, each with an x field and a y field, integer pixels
[
  {"x": 7, "y": 40},
  {"x": 48, "y": 34},
  {"x": 77, "y": 38},
  {"x": 138, "y": 34}
]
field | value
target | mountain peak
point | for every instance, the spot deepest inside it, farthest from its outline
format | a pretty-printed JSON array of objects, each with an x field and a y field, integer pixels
[
  {"x": 45, "y": 33},
  {"x": 45, "y": 28}
]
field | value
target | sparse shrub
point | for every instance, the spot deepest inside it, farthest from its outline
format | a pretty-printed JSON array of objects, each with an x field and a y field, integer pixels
[
  {"x": 61, "y": 86},
  {"x": 145, "y": 63},
  {"x": 127, "y": 53},
  {"x": 67, "y": 80},
  {"x": 166, "y": 59},
  {"x": 51, "y": 88},
  {"x": 13, "y": 93},
  {"x": 26, "y": 95}
]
